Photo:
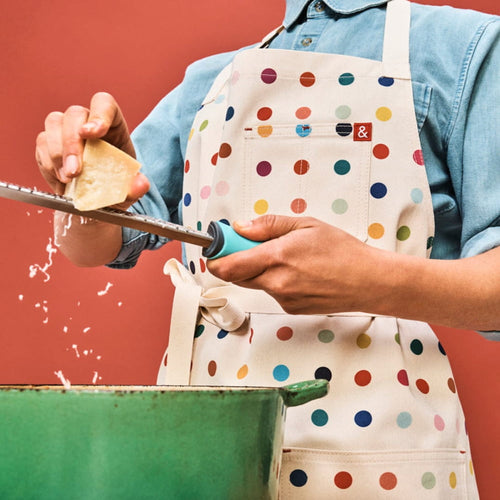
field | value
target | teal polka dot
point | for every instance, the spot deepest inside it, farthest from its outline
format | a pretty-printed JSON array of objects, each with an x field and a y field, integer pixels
[
  {"x": 346, "y": 78},
  {"x": 342, "y": 167},
  {"x": 404, "y": 420},
  {"x": 430, "y": 242},
  {"x": 319, "y": 418},
  {"x": 343, "y": 112},
  {"x": 428, "y": 480},
  {"x": 417, "y": 195},
  {"x": 199, "y": 330},
  {"x": 281, "y": 373},
  {"x": 340, "y": 206},
  {"x": 326, "y": 336},
  {"x": 416, "y": 347}
]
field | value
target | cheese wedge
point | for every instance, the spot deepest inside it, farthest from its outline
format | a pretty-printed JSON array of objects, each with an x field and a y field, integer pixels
[{"x": 107, "y": 173}]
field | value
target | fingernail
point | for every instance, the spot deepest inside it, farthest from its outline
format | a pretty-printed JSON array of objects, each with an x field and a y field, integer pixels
[
  {"x": 91, "y": 126},
  {"x": 71, "y": 165}
]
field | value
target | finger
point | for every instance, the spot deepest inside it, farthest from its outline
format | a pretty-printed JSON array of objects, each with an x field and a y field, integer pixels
[
  {"x": 46, "y": 164},
  {"x": 138, "y": 188},
  {"x": 52, "y": 143},
  {"x": 268, "y": 227},
  {"x": 72, "y": 141}
]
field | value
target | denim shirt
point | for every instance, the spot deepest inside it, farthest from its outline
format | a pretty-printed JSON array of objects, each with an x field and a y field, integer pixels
[{"x": 455, "y": 67}]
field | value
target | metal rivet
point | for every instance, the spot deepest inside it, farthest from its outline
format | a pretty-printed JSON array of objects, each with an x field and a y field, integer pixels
[{"x": 306, "y": 41}]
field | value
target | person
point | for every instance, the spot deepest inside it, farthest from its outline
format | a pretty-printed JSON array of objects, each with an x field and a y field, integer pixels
[{"x": 353, "y": 149}]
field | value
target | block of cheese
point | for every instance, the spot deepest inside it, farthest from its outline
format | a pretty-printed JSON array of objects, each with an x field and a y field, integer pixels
[{"x": 105, "y": 178}]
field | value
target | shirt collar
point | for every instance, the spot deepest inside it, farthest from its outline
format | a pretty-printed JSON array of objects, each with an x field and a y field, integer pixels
[{"x": 295, "y": 7}]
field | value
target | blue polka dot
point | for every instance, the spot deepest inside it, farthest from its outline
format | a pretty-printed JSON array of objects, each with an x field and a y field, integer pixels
[
  {"x": 220, "y": 98},
  {"x": 342, "y": 167},
  {"x": 187, "y": 200},
  {"x": 386, "y": 81},
  {"x": 281, "y": 373},
  {"x": 222, "y": 334},
  {"x": 229, "y": 113},
  {"x": 363, "y": 418},
  {"x": 298, "y": 477},
  {"x": 378, "y": 190},
  {"x": 303, "y": 130},
  {"x": 417, "y": 195},
  {"x": 346, "y": 78},
  {"x": 404, "y": 420},
  {"x": 323, "y": 373},
  {"x": 192, "y": 267},
  {"x": 441, "y": 349},
  {"x": 319, "y": 418}
]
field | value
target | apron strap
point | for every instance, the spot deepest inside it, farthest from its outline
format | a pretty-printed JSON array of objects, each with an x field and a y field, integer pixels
[{"x": 396, "y": 58}]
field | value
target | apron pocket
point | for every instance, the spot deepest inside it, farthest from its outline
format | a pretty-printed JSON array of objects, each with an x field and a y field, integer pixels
[
  {"x": 408, "y": 474},
  {"x": 325, "y": 168}
]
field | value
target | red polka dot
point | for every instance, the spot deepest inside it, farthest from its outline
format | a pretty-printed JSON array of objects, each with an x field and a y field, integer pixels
[
  {"x": 343, "y": 480},
  {"x": 284, "y": 333},
  {"x": 251, "y": 336},
  {"x": 388, "y": 481},
  {"x": 165, "y": 360},
  {"x": 403, "y": 377},
  {"x": 298, "y": 206},
  {"x": 418, "y": 157},
  {"x": 307, "y": 79},
  {"x": 187, "y": 166},
  {"x": 203, "y": 266},
  {"x": 303, "y": 113},
  {"x": 264, "y": 113},
  {"x": 225, "y": 150},
  {"x": 451, "y": 385},
  {"x": 363, "y": 377},
  {"x": 422, "y": 386},
  {"x": 214, "y": 159},
  {"x": 212, "y": 368},
  {"x": 380, "y": 151},
  {"x": 301, "y": 167}
]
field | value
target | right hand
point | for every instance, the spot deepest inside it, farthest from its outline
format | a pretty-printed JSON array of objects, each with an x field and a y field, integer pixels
[{"x": 59, "y": 148}]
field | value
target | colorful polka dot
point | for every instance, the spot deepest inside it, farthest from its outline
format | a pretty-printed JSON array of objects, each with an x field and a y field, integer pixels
[
  {"x": 319, "y": 418},
  {"x": 386, "y": 81},
  {"x": 187, "y": 200},
  {"x": 192, "y": 267},
  {"x": 203, "y": 266},
  {"x": 225, "y": 150},
  {"x": 343, "y": 129},
  {"x": 363, "y": 378},
  {"x": 301, "y": 167},
  {"x": 380, "y": 151},
  {"x": 363, "y": 341},
  {"x": 363, "y": 418},
  {"x": 284, "y": 333},
  {"x": 303, "y": 130},
  {"x": 451, "y": 385},
  {"x": 242, "y": 372},
  {"x": 212, "y": 368},
  {"x": 214, "y": 159},
  {"x": 403, "y": 377},
  {"x": 235, "y": 77},
  {"x": 340, "y": 206},
  {"x": 298, "y": 478},
  {"x": 430, "y": 242},
  {"x": 383, "y": 114},
  {"x": 404, "y": 420},
  {"x": 264, "y": 113},
  {"x": 326, "y": 336},
  {"x": 191, "y": 133},
  {"x": 323, "y": 373},
  {"x": 303, "y": 113},
  {"x": 222, "y": 188},
  {"x": 281, "y": 373},
  {"x": 204, "y": 125},
  {"x": 346, "y": 79},
  {"x": 268, "y": 75},
  {"x": 428, "y": 480},
  {"x": 187, "y": 166},
  {"x": 264, "y": 168},
  {"x": 417, "y": 195},
  {"x": 229, "y": 113},
  {"x": 199, "y": 331},
  {"x": 418, "y": 157},
  {"x": 342, "y": 167},
  {"x": 343, "y": 480},
  {"x": 453, "y": 480},
  {"x": 343, "y": 112},
  {"x": 222, "y": 334},
  {"x": 220, "y": 98},
  {"x": 388, "y": 481},
  {"x": 422, "y": 386},
  {"x": 307, "y": 79},
  {"x": 265, "y": 130},
  {"x": 260, "y": 207},
  {"x": 439, "y": 423},
  {"x": 378, "y": 190},
  {"x": 441, "y": 349},
  {"x": 403, "y": 233},
  {"x": 205, "y": 192},
  {"x": 416, "y": 347},
  {"x": 397, "y": 338},
  {"x": 298, "y": 206},
  {"x": 376, "y": 231}
]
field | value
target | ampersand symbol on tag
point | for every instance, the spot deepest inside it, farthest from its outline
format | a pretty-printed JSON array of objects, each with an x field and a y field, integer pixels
[{"x": 362, "y": 132}]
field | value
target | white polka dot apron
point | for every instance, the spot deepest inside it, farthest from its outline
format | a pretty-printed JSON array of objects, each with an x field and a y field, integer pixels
[{"x": 332, "y": 137}]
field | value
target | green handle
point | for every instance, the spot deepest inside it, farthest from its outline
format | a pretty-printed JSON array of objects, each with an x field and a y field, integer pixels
[{"x": 303, "y": 392}]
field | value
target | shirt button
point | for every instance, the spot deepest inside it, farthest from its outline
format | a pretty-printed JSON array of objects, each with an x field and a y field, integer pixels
[
  {"x": 306, "y": 41},
  {"x": 319, "y": 6}
]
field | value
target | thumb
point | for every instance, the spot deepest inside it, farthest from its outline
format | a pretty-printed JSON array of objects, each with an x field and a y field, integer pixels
[{"x": 266, "y": 227}]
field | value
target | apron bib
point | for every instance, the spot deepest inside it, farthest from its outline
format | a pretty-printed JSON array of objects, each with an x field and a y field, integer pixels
[{"x": 332, "y": 137}]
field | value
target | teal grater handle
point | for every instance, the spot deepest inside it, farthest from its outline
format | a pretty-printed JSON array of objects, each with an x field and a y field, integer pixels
[{"x": 225, "y": 241}]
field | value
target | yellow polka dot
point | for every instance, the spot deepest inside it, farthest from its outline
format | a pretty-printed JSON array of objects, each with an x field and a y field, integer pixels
[
  {"x": 471, "y": 468},
  {"x": 453, "y": 480},
  {"x": 376, "y": 231},
  {"x": 363, "y": 341},
  {"x": 242, "y": 372},
  {"x": 191, "y": 132},
  {"x": 383, "y": 114},
  {"x": 265, "y": 130},
  {"x": 261, "y": 207}
]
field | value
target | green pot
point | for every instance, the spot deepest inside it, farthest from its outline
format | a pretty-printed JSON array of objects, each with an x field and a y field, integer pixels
[{"x": 143, "y": 442}]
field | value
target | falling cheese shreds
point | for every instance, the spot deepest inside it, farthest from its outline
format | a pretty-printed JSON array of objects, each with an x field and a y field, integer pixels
[{"x": 106, "y": 290}]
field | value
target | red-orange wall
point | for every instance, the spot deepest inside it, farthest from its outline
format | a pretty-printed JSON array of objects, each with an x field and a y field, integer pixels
[{"x": 53, "y": 54}]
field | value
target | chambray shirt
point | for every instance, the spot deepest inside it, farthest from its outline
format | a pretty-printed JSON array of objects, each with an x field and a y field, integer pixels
[{"x": 455, "y": 67}]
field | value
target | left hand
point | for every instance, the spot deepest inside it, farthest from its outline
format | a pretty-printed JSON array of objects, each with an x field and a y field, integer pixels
[{"x": 308, "y": 266}]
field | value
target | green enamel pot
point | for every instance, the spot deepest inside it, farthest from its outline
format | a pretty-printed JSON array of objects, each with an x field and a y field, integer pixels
[{"x": 141, "y": 442}]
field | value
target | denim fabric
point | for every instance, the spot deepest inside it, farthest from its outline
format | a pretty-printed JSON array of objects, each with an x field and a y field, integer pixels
[{"x": 455, "y": 65}]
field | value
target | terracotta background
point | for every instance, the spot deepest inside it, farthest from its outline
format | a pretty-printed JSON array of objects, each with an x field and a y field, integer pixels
[{"x": 99, "y": 326}]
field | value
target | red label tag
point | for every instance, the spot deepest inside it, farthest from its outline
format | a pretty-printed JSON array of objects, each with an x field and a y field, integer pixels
[{"x": 362, "y": 131}]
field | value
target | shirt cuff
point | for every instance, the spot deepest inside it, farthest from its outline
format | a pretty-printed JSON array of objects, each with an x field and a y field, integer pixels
[{"x": 482, "y": 242}]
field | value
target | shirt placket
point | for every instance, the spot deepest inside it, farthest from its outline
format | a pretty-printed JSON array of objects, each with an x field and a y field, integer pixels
[{"x": 309, "y": 33}]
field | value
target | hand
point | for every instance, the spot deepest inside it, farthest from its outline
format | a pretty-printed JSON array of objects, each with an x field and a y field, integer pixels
[
  {"x": 308, "y": 266},
  {"x": 59, "y": 147}
]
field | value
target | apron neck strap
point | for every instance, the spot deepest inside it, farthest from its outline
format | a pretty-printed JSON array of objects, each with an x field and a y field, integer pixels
[{"x": 395, "y": 56}]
